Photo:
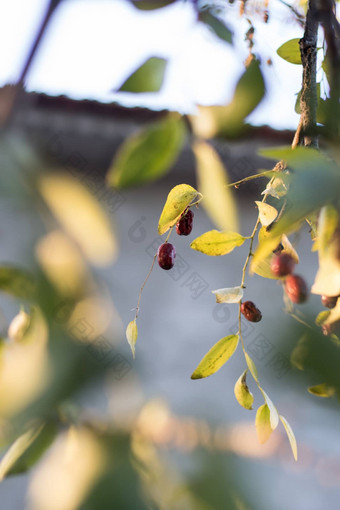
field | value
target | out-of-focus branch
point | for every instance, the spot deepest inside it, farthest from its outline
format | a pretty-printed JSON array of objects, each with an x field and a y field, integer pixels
[
  {"x": 14, "y": 98},
  {"x": 308, "y": 100},
  {"x": 298, "y": 16}
]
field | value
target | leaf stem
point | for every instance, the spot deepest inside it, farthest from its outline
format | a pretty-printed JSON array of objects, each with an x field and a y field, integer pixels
[{"x": 249, "y": 178}]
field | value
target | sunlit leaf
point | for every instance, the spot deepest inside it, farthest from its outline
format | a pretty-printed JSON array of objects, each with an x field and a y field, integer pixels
[
  {"x": 274, "y": 416},
  {"x": 216, "y": 24},
  {"x": 216, "y": 243},
  {"x": 149, "y": 154},
  {"x": 212, "y": 180},
  {"x": 322, "y": 390},
  {"x": 243, "y": 396},
  {"x": 267, "y": 213},
  {"x": 276, "y": 188},
  {"x": 327, "y": 280},
  {"x": 17, "y": 282},
  {"x": 334, "y": 314},
  {"x": 131, "y": 335},
  {"x": 216, "y": 357},
  {"x": 27, "y": 449},
  {"x": 290, "y": 51},
  {"x": 75, "y": 462},
  {"x": 80, "y": 215},
  {"x": 251, "y": 366},
  {"x": 19, "y": 326},
  {"x": 147, "y": 78},
  {"x": 289, "y": 249},
  {"x": 228, "y": 295},
  {"x": 262, "y": 423},
  {"x": 291, "y": 436},
  {"x": 177, "y": 201}
]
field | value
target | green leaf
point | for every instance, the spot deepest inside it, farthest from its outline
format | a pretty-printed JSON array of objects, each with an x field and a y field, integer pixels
[
  {"x": 27, "y": 449},
  {"x": 291, "y": 436},
  {"x": 131, "y": 335},
  {"x": 216, "y": 24},
  {"x": 216, "y": 243},
  {"x": 216, "y": 357},
  {"x": 290, "y": 51},
  {"x": 267, "y": 213},
  {"x": 16, "y": 282},
  {"x": 149, "y": 154},
  {"x": 262, "y": 423},
  {"x": 218, "y": 199},
  {"x": 321, "y": 317},
  {"x": 322, "y": 390},
  {"x": 228, "y": 295},
  {"x": 148, "y": 77},
  {"x": 177, "y": 201},
  {"x": 274, "y": 416},
  {"x": 243, "y": 396},
  {"x": 251, "y": 366},
  {"x": 300, "y": 353},
  {"x": 150, "y": 5}
]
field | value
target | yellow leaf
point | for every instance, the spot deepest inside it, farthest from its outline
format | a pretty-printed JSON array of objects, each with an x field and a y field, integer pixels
[
  {"x": 322, "y": 390},
  {"x": 291, "y": 436},
  {"x": 228, "y": 295},
  {"x": 178, "y": 200},
  {"x": 243, "y": 396},
  {"x": 212, "y": 183},
  {"x": 262, "y": 423},
  {"x": 131, "y": 335},
  {"x": 80, "y": 215},
  {"x": 267, "y": 213},
  {"x": 216, "y": 357},
  {"x": 288, "y": 248},
  {"x": 274, "y": 416},
  {"x": 251, "y": 366},
  {"x": 216, "y": 243}
]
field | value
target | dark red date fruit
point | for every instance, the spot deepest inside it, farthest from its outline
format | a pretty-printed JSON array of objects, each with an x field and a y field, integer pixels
[
  {"x": 166, "y": 255},
  {"x": 282, "y": 265},
  {"x": 329, "y": 301},
  {"x": 250, "y": 311},
  {"x": 184, "y": 225},
  {"x": 296, "y": 288}
]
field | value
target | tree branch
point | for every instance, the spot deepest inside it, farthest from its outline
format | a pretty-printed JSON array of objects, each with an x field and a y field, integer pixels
[{"x": 308, "y": 100}]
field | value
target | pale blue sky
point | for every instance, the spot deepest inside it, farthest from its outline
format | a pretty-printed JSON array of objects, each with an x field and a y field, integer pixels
[{"x": 92, "y": 45}]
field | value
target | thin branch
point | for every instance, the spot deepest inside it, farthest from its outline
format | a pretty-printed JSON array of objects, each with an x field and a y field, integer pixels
[{"x": 15, "y": 97}]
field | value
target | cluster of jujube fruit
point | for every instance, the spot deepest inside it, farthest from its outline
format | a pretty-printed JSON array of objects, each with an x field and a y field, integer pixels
[{"x": 166, "y": 252}]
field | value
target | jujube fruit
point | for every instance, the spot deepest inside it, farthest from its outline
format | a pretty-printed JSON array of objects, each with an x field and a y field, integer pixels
[
  {"x": 184, "y": 224},
  {"x": 329, "y": 301},
  {"x": 282, "y": 264},
  {"x": 250, "y": 311},
  {"x": 296, "y": 288},
  {"x": 166, "y": 255}
]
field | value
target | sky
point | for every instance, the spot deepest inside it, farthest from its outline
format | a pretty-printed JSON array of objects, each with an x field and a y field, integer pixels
[{"x": 93, "y": 45}]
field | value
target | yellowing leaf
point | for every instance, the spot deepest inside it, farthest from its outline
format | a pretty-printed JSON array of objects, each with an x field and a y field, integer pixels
[
  {"x": 212, "y": 183},
  {"x": 264, "y": 251},
  {"x": 251, "y": 366},
  {"x": 216, "y": 357},
  {"x": 267, "y": 213},
  {"x": 288, "y": 248},
  {"x": 274, "y": 416},
  {"x": 243, "y": 396},
  {"x": 321, "y": 317},
  {"x": 291, "y": 436},
  {"x": 80, "y": 215},
  {"x": 131, "y": 335},
  {"x": 178, "y": 200},
  {"x": 290, "y": 51},
  {"x": 334, "y": 315},
  {"x": 276, "y": 188},
  {"x": 216, "y": 243},
  {"x": 262, "y": 423},
  {"x": 322, "y": 390},
  {"x": 228, "y": 295}
]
